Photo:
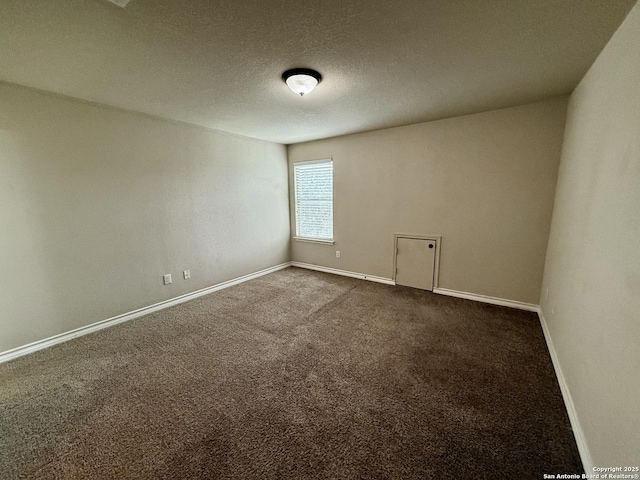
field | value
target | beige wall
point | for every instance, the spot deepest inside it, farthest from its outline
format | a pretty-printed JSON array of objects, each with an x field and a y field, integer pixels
[
  {"x": 484, "y": 182},
  {"x": 593, "y": 263},
  {"x": 96, "y": 204}
]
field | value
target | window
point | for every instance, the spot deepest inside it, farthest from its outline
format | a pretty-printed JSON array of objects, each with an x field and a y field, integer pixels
[{"x": 313, "y": 186}]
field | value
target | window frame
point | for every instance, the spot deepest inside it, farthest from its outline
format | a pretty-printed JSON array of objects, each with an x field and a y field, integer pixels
[{"x": 301, "y": 238}]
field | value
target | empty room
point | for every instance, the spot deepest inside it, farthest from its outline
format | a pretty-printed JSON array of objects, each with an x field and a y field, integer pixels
[{"x": 319, "y": 240}]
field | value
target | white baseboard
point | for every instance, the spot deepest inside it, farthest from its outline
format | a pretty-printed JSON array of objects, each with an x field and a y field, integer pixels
[
  {"x": 109, "y": 322},
  {"x": 581, "y": 441},
  {"x": 344, "y": 273},
  {"x": 486, "y": 299}
]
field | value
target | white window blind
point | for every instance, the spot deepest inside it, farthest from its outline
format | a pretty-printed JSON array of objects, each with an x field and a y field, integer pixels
[{"x": 314, "y": 199}]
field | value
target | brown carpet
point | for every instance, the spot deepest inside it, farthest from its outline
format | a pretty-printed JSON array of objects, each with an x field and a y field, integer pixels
[{"x": 297, "y": 374}]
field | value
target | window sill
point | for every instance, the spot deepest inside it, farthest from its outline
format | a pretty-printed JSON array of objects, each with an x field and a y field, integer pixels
[{"x": 314, "y": 240}]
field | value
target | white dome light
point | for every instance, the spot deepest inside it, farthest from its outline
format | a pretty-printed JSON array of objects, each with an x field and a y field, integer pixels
[{"x": 301, "y": 81}]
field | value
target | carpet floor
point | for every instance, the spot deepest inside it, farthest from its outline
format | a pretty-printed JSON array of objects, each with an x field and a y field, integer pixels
[{"x": 296, "y": 374}]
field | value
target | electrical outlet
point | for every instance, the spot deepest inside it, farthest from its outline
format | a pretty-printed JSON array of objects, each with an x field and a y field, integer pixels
[
  {"x": 167, "y": 279},
  {"x": 337, "y": 253},
  {"x": 187, "y": 274}
]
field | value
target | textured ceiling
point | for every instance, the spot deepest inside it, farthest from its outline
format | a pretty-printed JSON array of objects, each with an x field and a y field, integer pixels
[{"x": 217, "y": 63}]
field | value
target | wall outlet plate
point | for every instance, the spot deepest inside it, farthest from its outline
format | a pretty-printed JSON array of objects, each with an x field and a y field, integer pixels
[
  {"x": 337, "y": 253},
  {"x": 186, "y": 274},
  {"x": 167, "y": 279}
]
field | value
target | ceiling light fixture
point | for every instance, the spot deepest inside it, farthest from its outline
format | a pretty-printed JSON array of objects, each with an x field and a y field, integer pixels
[
  {"x": 301, "y": 80},
  {"x": 120, "y": 3}
]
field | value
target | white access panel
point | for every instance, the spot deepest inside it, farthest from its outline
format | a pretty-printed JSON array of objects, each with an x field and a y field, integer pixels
[{"x": 415, "y": 262}]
